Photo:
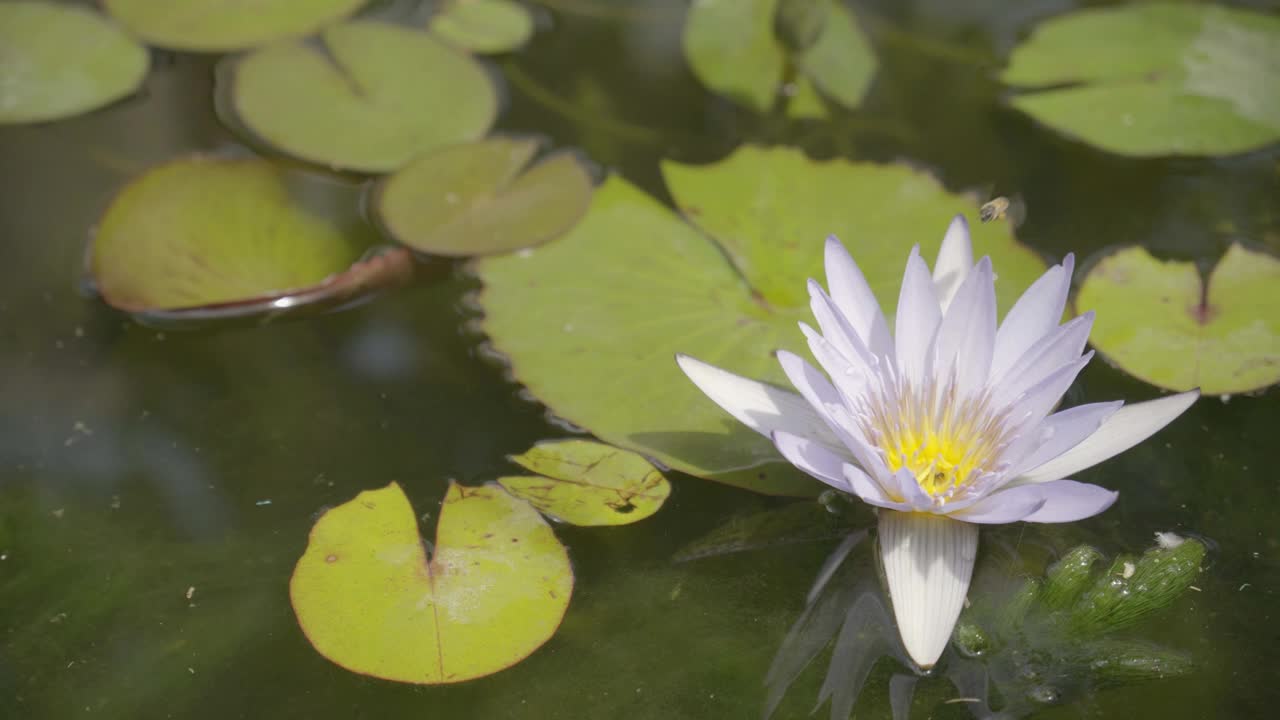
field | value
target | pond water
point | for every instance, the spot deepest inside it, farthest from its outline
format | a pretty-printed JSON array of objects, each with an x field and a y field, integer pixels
[{"x": 157, "y": 487}]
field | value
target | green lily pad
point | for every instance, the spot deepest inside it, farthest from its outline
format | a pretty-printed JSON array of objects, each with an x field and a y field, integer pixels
[
  {"x": 731, "y": 47},
  {"x": 484, "y": 26},
  {"x": 482, "y": 198},
  {"x": 205, "y": 234},
  {"x": 1159, "y": 322},
  {"x": 372, "y": 98},
  {"x": 493, "y": 591},
  {"x": 734, "y": 48},
  {"x": 591, "y": 322},
  {"x": 1155, "y": 79},
  {"x": 220, "y": 26},
  {"x": 59, "y": 60},
  {"x": 589, "y": 483}
]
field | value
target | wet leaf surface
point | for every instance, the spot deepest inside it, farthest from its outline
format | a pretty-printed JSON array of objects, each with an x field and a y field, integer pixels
[{"x": 589, "y": 483}]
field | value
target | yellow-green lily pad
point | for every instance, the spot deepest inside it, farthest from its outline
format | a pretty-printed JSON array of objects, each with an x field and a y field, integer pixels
[
  {"x": 1159, "y": 322},
  {"x": 213, "y": 237},
  {"x": 483, "y": 26},
  {"x": 370, "y": 599},
  {"x": 221, "y": 26},
  {"x": 589, "y": 483},
  {"x": 482, "y": 198},
  {"x": 61, "y": 60},
  {"x": 374, "y": 96},
  {"x": 1152, "y": 79},
  {"x": 591, "y": 321}
]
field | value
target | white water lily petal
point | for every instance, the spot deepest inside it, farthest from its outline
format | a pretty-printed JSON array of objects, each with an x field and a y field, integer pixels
[
  {"x": 1062, "y": 431},
  {"x": 955, "y": 258},
  {"x": 1129, "y": 426},
  {"x": 852, "y": 295},
  {"x": 917, "y": 321},
  {"x": 813, "y": 458},
  {"x": 1003, "y": 506},
  {"x": 760, "y": 406},
  {"x": 1068, "y": 501},
  {"x": 1055, "y": 350},
  {"x": 822, "y": 395},
  {"x": 836, "y": 328},
  {"x": 968, "y": 328},
  {"x": 1032, "y": 317},
  {"x": 1040, "y": 399},
  {"x": 928, "y": 561},
  {"x": 869, "y": 491}
]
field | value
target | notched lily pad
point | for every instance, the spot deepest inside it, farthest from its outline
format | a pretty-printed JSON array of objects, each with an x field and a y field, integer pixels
[
  {"x": 1159, "y": 322},
  {"x": 483, "y": 198},
  {"x": 369, "y": 598},
  {"x": 220, "y": 26},
  {"x": 57, "y": 61},
  {"x": 591, "y": 322},
  {"x": 1155, "y": 79},
  {"x": 589, "y": 483},
  {"x": 211, "y": 238},
  {"x": 370, "y": 99},
  {"x": 483, "y": 26}
]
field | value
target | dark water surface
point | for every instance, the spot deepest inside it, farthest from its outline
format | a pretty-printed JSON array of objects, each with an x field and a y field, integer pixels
[{"x": 136, "y": 464}]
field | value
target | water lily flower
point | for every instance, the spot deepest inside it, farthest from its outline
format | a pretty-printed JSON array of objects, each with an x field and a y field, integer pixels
[{"x": 945, "y": 424}]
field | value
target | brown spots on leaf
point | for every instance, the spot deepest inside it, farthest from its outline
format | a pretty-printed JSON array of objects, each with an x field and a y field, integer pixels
[{"x": 331, "y": 558}]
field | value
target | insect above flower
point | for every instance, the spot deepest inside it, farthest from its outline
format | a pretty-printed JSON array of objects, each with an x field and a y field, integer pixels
[{"x": 946, "y": 423}]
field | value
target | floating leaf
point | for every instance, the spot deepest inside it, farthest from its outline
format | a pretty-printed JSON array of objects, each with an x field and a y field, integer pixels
[
  {"x": 493, "y": 591},
  {"x": 480, "y": 198},
  {"x": 484, "y": 26},
  {"x": 1155, "y": 79},
  {"x": 1159, "y": 322},
  {"x": 730, "y": 46},
  {"x": 218, "y": 236},
  {"x": 59, "y": 60},
  {"x": 841, "y": 63},
  {"x": 220, "y": 26},
  {"x": 589, "y": 483},
  {"x": 373, "y": 97},
  {"x": 591, "y": 322}
]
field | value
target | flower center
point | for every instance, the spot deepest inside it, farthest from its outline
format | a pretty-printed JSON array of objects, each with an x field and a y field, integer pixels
[{"x": 945, "y": 441}]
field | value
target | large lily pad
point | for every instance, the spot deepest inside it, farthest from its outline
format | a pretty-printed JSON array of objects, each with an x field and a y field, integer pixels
[
  {"x": 484, "y": 26},
  {"x": 1155, "y": 79},
  {"x": 220, "y": 26},
  {"x": 1159, "y": 322},
  {"x": 591, "y": 322},
  {"x": 588, "y": 483},
  {"x": 60, "y": 60},
  {"x": 482, "y": 198},
  {"x": 222, "y": 236},
  {"x": 370, "y": 599},
  {"x": 734, "y": 48},
  {"x": 370, "y": 99}
]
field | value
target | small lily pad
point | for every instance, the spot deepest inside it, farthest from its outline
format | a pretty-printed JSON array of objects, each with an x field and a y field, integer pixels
[
  {"x": 591, "y": 322},
  {"x": 204, "y": 234},
  {"x": 220, "y": 26},
  {"x": 1155, "y": 79},
  {"x": 369, "y": 598},
  {"x": 482, "y": 198},
  {"x": 1159, "y": 322},
  {"x": 57, "y": 61},
  {"x": 484, "y": 26},
  {"x": 370, "y": 99},
  {"x": 734, "y": 48},
  {"x": 589, "y": 483}
]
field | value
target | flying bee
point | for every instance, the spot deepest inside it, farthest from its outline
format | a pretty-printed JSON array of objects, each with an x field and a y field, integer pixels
[{"x": 994, "y": 210}]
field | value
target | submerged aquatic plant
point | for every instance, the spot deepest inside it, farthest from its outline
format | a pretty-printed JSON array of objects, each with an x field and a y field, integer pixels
[{"x": 945, "y": 424}]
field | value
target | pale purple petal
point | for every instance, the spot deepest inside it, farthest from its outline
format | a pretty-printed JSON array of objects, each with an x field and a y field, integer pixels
[
  {"x": 1003, "y": 506},
  {"x": 955, "y": 258},
  {"x": 1068, "y": 501},
  {"x": 836, "y": 328},
  {"x": 1057, "y": 349},
  {"x": 909, "y": 490},
  {"x": 1129, "y": 426},
  {"x": 1032, "y": 317},
  {"x": 870, "y": 492},
  {"x": 917, "y": 320},
  {"x": 1060, "y": 432},
  {"x": 1040, "y": 399},
  {"x": 818, "y": 390},
  {"x": 760, "y": 406},
  {"x": 812, "y": 458},
  {"x": 964, "y": 342},
  {"x": 852, "y": 295}
]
